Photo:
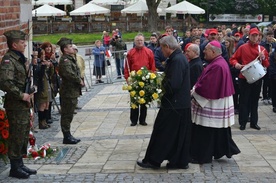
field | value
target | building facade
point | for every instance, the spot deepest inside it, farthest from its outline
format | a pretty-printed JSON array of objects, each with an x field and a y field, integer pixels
[{"x": 12, "y": 18}]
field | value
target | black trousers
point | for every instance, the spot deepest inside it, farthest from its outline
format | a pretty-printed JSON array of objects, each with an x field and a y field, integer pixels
[
  {"x": 248, "y": 101},
  {"x": 273, "y": 91},
  {"x": 134, "y": 114},
  {"x": 266, "y": 92}
]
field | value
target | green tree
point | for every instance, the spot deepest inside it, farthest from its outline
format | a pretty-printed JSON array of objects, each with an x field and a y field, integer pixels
[{"x": 267, "y": 7}]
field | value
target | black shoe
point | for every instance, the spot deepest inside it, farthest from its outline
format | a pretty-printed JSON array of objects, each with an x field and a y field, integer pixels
[
  {"x": 119, "y": 77},
  {"x": 242, "y": 127},
  {"x": 133, "y": 124},
  {"x": 146, "y": 165},
  {"x": 143, "y": 123},
  {"x": 16, "y": 171},
  {"x": 100, "y": 81},
  {"x": 255, "y": 127},
  {"x": 70, "y": 140},
  {"x": 274, "y": 109},
  {"x": 26, "y": 169},
  {"x": 236, "y": 111}
]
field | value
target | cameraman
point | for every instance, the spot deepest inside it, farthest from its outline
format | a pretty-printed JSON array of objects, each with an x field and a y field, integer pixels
[{"x": 119, "y": 47}]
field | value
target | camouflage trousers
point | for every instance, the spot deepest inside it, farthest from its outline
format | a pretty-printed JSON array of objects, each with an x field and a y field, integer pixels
[
  {"x": 19, "y": 129},
  {"x": 68, "y": 106}
]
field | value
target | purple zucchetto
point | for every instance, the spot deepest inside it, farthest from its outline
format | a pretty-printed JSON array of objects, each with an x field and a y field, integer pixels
[{"x": 215, "y": 44}]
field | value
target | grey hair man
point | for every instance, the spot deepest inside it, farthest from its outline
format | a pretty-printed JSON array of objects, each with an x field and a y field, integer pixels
[
  {"x": 174, "y": 116},
  {"x": 195, "y": 62}
]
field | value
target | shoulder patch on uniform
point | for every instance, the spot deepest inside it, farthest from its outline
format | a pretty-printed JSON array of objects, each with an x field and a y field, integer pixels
[
  {"x": 6, "y": 61},
  {"x": 66, "y": 60}
]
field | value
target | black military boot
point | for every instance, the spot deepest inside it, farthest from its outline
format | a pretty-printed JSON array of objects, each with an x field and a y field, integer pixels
[
  {"x": 69, "y": 139},
  {"x": 26, "y": 169},
  {"x": 16, "y": 171}
]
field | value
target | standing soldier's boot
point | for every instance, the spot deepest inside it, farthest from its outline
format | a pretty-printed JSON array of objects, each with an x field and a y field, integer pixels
[
  {"x": 16, "y": 171},
  {"x": 49, "y": 114},
  {"x": 42, "y": 121},
  {"x": 26, "y": 169},
  {"x": 69, "y": 139}
]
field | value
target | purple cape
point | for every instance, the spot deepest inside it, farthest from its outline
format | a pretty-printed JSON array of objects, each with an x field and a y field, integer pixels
[{"x": 215, "y": 81}]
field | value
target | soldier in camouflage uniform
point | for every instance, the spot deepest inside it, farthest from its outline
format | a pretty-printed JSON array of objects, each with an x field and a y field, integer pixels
[
  {"x": 70, "y": 88},
  {"x": 13, "y": 75}
]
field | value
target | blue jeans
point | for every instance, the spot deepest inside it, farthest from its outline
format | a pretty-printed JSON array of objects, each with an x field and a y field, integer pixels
[{"x": 119, "y": 66}]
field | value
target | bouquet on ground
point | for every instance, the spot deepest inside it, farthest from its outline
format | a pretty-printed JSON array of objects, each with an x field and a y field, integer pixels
[
  {"x": 4, "y": 134},
  {"x": 144, "y": 87},
  {"x": 37, "y": 153}
]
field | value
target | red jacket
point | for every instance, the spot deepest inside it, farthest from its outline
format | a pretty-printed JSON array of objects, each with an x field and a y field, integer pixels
[
  {"x": 137, "y": 58},
  {"x": 247, "y": 53}
]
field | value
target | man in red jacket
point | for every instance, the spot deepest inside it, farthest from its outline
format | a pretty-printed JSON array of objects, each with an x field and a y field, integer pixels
[
  {"x": 138, "y": 57},
  {"x": 249, "y": 93}
]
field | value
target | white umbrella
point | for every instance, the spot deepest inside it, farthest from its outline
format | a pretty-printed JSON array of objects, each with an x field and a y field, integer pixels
[
  {"x": 47, "y": 10},
  {"x": 89, "y": 9},
  {"x": 108, "y": 2},
  {"x": 52, "y": 2},
  {"x": 138, "y": 7},
  {"x": 185, "y": 7}
]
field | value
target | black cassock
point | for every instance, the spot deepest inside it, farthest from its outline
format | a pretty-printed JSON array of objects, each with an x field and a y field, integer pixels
[{"x": 170, "y": 139}]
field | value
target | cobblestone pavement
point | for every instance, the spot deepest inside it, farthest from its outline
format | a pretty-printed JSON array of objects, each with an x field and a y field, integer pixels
[{"x": 109, "y": 147}]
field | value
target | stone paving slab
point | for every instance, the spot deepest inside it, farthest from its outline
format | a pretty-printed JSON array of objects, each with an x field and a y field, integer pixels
[{"x": 110, "y": 148}]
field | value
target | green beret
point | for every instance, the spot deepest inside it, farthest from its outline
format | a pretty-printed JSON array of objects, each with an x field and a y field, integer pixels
[
  {"x": 15, "y": 34},
  {"x": 64, "y": 41}
]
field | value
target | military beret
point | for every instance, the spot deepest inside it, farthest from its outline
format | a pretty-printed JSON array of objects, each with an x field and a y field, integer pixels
[
  {"x": 64, "y": 41},
  {"x": 15, "y": 34}
]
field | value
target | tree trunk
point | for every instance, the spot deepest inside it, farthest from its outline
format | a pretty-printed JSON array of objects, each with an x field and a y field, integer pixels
[{"x": 153, "y": 15}]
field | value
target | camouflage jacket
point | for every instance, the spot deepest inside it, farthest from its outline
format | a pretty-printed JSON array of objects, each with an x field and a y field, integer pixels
[
  {"x": 70, "y": 76},
  {"x": 13, "y": 75}
]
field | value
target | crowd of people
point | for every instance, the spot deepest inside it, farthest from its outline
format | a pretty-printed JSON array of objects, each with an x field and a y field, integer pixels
[{"x": 203, "y": 89}]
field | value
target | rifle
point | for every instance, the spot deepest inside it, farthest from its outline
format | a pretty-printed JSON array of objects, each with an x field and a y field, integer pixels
[{"x": 29, "y": 88}]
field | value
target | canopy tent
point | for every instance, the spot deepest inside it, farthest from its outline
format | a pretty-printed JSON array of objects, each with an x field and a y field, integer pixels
[
  {"x": 89, "y": 9},
  {"x": 140, "y": 7},
  {"x": 52, "y": 2},
  {"x": 185, "y": 7},
  {"x": 108, "y": 2},
  {"x": 47, "y": 10}
]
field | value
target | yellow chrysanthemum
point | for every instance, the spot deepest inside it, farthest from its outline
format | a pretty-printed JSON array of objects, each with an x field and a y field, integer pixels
[
  {"x": 142, "y": 101},
  {"x": 132, "y": 93},
  {"x": 124, "y": 87},
  {"x": 155, "y": 96},
  {"x": 152, "y": 76},
  {"x": 129, "y": 87},
  {"x": 141, "y": 93},
  {"x": 134, "y": 106},
  {"x": 142, "y": 84},
  {"x": 139, "y": 72}
]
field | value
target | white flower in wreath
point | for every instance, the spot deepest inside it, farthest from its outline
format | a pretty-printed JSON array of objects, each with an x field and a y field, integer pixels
[{"x": 2, "y": 94}]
